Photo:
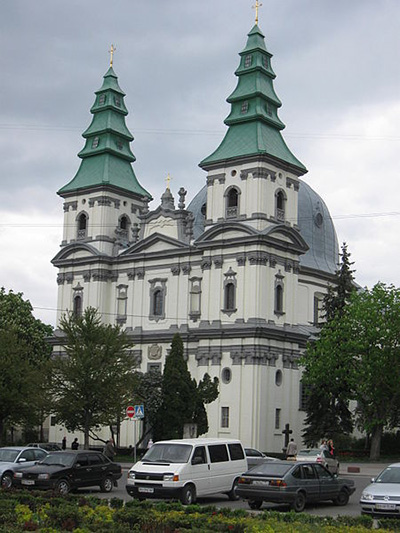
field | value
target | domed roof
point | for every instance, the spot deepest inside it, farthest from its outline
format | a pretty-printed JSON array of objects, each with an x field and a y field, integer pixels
[{"x": 314, "y": 221}]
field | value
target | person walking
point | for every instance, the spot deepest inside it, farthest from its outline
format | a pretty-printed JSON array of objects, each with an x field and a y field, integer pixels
[
  {"x": 109, "y": 450},
  {"x": 75, "y": 444},
  {"x": 64, "y": 443},
  {"x": 291, "y": 450}
]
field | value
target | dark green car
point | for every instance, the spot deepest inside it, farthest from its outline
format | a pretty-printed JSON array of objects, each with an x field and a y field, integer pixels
[{"x": 293, "y": 483}]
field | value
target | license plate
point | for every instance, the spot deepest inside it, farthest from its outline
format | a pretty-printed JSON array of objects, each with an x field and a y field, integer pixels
[
  {"x": 147, "y": 490},
  {"x": 386, "y": 506},
  {"x": 27, "y": 482},
  {"x": 259, "y": 482}
]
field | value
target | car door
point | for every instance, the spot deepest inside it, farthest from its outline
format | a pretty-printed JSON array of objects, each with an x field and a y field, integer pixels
[
  {"x": 200, "y": 470},
  {"x": 82, "y": 472},
  {"x": 27, "y": 457},
  {"x": 99, "y": 466},
  {"x": 327, "y": 483},
  {"x": 310, "y": 482}
]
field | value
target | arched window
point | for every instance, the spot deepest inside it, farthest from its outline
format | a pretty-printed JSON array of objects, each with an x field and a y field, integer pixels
[
  {"x": 157, "y": 309},
  {"x": 229, "y": 296},
  {"x": 123, "y": 223},
  {"x": 78, "y": 305},
  {"x": 280, "y": 201},
  {"x": 82, "y": 226},
  {"x": 279, "y": 298},
  {"x": 232, "y": 203}
]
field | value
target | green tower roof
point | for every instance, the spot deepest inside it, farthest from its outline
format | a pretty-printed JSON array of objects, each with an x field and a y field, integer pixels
[
  {"x": 254, "y": 128},
  {"x": 106, "y": 157}
]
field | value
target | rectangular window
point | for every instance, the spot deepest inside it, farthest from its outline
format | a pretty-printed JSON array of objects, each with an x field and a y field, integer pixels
[
  {"x": 303, "y": 397},
  {"x": 53, "y": 421},
  {"x": 224, "y": 417},
  {"x": 236, "y": 451},
  {"x": 277, "y": 418},
  {"x": 317, "y": 310},
  {"x": 218, "y": 453},
  {"x": 154, "y": 367}
]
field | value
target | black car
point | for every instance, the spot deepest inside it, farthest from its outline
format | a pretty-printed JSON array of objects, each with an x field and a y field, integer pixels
[
  {"x": 65, "y": 471},
  {"x": 293, "y": 483}
]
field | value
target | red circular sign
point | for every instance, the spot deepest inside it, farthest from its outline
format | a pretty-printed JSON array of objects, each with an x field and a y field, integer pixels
[{"x": 130, "y": 411}]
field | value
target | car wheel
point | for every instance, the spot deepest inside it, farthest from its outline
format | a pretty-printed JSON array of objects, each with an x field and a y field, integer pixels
[
  {"x": 63, "y": 487},
  {"x": 188, "y": 495},
  {"x": 232, "y": 494},
  {"x": 255, "y": 504},
  {"x": 107, "y": 484},
  {"x": 299, "y": 502},
  {"x": 6, "y": 480},
  {"x": 342, "y": 498}
]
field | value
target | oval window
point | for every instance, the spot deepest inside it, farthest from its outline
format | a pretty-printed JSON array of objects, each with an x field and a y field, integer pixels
[
  {"x": 226, "y": 375},
  {"x": 278, "y": 378}
]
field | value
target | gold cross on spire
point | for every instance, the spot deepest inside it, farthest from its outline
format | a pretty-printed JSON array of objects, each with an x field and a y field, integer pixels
[
  {"x": 111, "y": 51},
  {"x": 168, "y": 180},
  {"x": 256, "y": 6}
]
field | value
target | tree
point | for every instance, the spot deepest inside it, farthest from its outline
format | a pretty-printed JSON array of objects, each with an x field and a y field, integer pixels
[
  {"x": 182, "y": 401},
  {"x": 94, "y": 380},
  {"x": 327, "y": 388},
  {"x": 25, "y": 361}
]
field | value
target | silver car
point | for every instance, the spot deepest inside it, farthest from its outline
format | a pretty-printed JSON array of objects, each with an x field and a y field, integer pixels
[
  {"x": 323, "y": 457},
  {"x": 255, "y": 457},
  {"x": 382, "y": 496},
  {"x": 12, "y": 457}
]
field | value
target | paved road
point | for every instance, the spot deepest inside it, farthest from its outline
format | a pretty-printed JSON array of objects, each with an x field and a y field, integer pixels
[{"x": 361, "y": 479}]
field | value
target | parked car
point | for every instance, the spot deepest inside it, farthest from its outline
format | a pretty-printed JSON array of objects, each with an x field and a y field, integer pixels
[
  {"x": 64, "y": 471},
  {"x": 49, "y": 446},
  {"x": 255, "y": 457},
  {"x": 12, "y": 457},
  {"x": 293, "y": 483},
  {"x": 382, "y": 496},
  {"x": 323, "y": 457}
]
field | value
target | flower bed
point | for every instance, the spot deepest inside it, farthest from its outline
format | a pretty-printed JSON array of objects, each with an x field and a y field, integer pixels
[{"x": 43, "y": 512}]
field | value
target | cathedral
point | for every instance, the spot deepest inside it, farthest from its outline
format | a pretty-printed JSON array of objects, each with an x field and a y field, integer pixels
[{"x": 240, "y": 272}]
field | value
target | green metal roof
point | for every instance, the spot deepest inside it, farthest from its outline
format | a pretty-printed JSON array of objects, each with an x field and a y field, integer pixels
[
  {"x": 106, "y": 156},
  {"x": 254, "y": 127}
]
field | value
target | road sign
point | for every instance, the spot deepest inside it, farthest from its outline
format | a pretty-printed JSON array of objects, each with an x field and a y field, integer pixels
[
  {"x": 130, "y": 411},
  {"x": 139, "y": 411}
]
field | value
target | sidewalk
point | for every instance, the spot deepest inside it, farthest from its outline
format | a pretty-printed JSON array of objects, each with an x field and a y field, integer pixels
[{"x": 362, "y": 469}]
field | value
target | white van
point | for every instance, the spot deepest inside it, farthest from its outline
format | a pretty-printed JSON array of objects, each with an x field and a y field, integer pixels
[{"x": 187, "y": 468}]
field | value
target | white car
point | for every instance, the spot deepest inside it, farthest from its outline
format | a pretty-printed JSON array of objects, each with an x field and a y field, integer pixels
[
  {"x": 323, "y": 457},
  {"x": 382, "y": 496},
  {"x": 12, "y": 457}
]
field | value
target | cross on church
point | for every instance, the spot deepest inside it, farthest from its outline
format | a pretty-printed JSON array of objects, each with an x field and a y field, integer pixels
[
  {"x": 111, "y": 51},
  {"x": 287, "y": 431},
  {"x": 168, "y": 180},
  {"x": 256, "y": 6}
]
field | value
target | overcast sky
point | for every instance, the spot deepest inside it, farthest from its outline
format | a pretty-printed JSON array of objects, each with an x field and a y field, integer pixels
[{"x": 338, "y": 76}]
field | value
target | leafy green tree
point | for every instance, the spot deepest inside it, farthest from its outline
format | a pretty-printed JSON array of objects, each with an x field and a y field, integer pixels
[
  {"x": 182, "y": 400},
  {"x": 328, "y": 390},
  {"x": 148, "y": 391},
  {"x": 92, "y": 383},
  {"x": 25, "y": 364}
]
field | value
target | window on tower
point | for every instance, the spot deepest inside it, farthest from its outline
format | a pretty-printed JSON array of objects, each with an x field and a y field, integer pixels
[
  {"x": 82, "y": 226},
  {"x": 232, "y": 202},
  {"x": 95, "y": 142},
  {"x": 117, "y": 100},
  {"x": 230, "y": 283},
  {"x": 77, "y": 310},
  {"x": 280, "y": 201},
  {"x": 244, "y": 108},
  {"x": 279, "y": 297},
  {"x": 102, "y": 99},
  {"x": 248, "y": 61}
]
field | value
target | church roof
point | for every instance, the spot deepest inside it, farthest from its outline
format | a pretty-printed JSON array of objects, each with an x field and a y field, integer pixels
[
  {"x": 254, "y": 128},
  {"x": 106, "y": 157}
]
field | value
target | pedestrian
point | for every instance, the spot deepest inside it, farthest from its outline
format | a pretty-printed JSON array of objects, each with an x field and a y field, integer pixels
[
  {"x": 64, "y": 443},
  {"x": 150, "y": 444},
  {"x": 291, "y": 450},
  {"x": 109, "y": 450},
  {"x": 324, "y": 447},
  {"x": 331, "y": 448},
  {"x": 75, "y": 444}
]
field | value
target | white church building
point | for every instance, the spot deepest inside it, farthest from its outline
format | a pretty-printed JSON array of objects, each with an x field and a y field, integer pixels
[{"x": 239, "y": 272}]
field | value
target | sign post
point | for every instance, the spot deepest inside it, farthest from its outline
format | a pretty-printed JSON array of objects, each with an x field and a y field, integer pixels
[{"x": 130, "y": 413}]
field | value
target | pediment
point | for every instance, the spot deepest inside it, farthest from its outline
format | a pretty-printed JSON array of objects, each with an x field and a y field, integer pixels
[
  {"x": 232, "y": 230},
  {"x": 286, "y": 235},
  {"x": 155, "y": 243},
  {"x": 76, "y": 251}
]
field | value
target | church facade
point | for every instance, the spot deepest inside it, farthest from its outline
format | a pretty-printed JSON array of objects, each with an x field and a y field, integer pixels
[{"x": 240, "y": 272}]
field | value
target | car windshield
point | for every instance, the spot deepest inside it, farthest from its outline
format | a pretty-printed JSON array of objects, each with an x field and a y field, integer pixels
[
  {"x": 270, "y": 469},
  {"x": 8, "y": 456},
  {"x": 309, "y": 453},
  {"x": 391, "y": 474},
  {"x": 61, "y": 459},
  {"x": 168, "y": 453}
]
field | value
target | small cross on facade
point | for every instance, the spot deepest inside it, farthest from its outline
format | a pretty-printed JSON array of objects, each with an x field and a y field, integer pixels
[
  {"x": 111, "y": 51},
  {"x": 168, "y": 180},
  {"x": 287, "y": 431},
  {"x": 256, "y": 6}
]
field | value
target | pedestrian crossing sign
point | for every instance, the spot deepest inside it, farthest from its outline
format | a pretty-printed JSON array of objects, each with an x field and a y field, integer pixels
[{"x": 139, "y": 411}]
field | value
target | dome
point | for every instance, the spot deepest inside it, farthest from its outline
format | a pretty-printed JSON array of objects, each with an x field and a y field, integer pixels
[{"x": 314, "y": 221}]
